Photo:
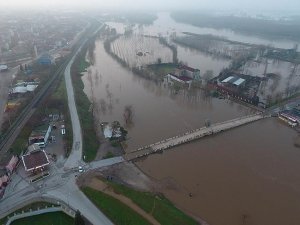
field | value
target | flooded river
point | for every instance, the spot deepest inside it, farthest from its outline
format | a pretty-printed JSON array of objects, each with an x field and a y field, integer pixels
[
  {"x": 245, "y": 176},
  {"x": 158, "y": 112},
  {"x": 165, "y": 25},
  {"x": 203, "y": 61}
]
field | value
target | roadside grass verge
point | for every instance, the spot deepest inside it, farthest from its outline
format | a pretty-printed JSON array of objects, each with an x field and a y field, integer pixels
[
  {"x": 58, "y": 101},
  {"x": 21, "y": 142},
  {"x": 83, "y": 104},
  {"x": 161, "y": 208},
  {"x": 57, "y": 218},
  {"x": 115, "y": 210}
]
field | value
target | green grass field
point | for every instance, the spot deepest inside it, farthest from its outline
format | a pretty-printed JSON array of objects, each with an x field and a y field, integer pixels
[
  {"x": 160, "y": 207},
  {"x": 116, "y": 211},
  {"x": 90, "y": 140},
  {"x": 163, "y": 69},
  {"x": 56, "y": 218}
]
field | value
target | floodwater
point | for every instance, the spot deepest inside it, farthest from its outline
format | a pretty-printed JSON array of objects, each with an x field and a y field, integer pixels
[
  {"x": 202, "y": 61},
  {"x": 248, "y": 175},
  {"x": 158, "y": 112},
  {"x": 287, "y": 78},
  {"x": 128, "y": 49},
  {"x": 165, "y": 25},
  {"x": 245, "y": 176}
]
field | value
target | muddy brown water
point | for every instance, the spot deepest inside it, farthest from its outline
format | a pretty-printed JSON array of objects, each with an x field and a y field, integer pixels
[
  {"x": 202, "y": 61},
  {"x": 165, "y": 25},
  {"x": 158, "y": 112},
  {"x": 249, "y": 175}
]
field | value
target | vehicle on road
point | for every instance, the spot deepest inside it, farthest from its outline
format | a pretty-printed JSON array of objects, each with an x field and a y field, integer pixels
[{"x": 80, "y": 169}]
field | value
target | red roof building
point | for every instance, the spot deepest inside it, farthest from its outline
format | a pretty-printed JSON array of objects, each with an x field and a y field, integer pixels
[
  {"x": 12, "y": 164},
  {"x": 35, "y": 160}
]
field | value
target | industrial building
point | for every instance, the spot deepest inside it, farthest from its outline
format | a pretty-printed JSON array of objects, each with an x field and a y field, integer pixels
[
  {"x": 239, "y": 86},
  {"x": 234, "y": 81},
  {"x": 40, "y": 136},
  {"x": 23, "y": 87}
]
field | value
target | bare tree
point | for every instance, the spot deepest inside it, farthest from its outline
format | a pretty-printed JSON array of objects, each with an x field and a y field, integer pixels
[
  {"x": 128, "y": 114},
  {"x": 208, "y": 75}
]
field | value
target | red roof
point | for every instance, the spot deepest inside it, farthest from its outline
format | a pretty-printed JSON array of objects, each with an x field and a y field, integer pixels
[
  {"x": 183, "y": 78},
  {"x": 184, "y": 67},
  {"x": 35, "y": 160}
]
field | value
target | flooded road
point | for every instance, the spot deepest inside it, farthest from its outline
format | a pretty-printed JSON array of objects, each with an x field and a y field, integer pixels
[
  {"x": 250, "y": 173},
  {"x": 158, "y": 112}
]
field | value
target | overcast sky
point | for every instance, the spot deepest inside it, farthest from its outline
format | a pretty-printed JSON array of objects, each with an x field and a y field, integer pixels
[{"x": 261, "y": 5}]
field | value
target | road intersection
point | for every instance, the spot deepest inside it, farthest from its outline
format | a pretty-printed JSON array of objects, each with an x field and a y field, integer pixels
[{"x": 61, "y": 184}]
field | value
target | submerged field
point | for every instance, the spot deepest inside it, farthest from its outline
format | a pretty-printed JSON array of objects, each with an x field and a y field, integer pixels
[
  {"x": 139, "y": 50},
  {"x": 283, "y": 78}
]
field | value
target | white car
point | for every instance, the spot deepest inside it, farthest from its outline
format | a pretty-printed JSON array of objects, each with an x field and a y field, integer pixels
[{"x": 80, "y": 169}]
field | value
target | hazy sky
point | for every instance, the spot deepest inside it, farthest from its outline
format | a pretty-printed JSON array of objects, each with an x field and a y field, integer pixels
[{"x": 293, "y": 5}]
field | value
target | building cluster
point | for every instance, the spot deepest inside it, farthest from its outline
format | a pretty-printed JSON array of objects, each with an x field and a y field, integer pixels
[
  {"x": 236, "y": 85},
  {"x": 184, "y": 75},
  {"x": 40, "y": 135},
  {"x": 36, "y": 157},
  {"x": 23, "y": 87},
  {"x": 26, "y": 36}
]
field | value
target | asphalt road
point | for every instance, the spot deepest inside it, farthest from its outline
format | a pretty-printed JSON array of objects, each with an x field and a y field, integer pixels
[
  {"x": 75, "y": 158},
  {"x": 60, "y": 186}
]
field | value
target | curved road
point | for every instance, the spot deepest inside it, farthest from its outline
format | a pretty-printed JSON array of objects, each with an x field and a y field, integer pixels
[{"x": 75, "y": 158}]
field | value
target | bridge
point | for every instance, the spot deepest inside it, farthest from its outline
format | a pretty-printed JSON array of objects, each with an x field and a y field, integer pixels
[{"x": 158, "y": 147}]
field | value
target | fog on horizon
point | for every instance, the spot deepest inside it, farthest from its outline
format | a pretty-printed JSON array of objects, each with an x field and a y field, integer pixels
[{"x": 253, "y": 5}]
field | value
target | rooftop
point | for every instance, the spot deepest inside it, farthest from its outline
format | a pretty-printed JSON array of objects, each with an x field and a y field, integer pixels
[
  {"x": 39, "y": 131},
  {"x": 234, "y": 80},
  {"x": 184, "y": 67},
  {"x": 35, "y": 160},
  {"x": 183, "y": 78}
]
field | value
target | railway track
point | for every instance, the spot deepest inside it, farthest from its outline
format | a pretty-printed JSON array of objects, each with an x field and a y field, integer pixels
[{"x": 10, "y": 135}]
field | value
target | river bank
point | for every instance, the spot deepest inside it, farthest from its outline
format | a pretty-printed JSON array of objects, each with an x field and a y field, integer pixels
[{"x": 246, "y": 173}]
